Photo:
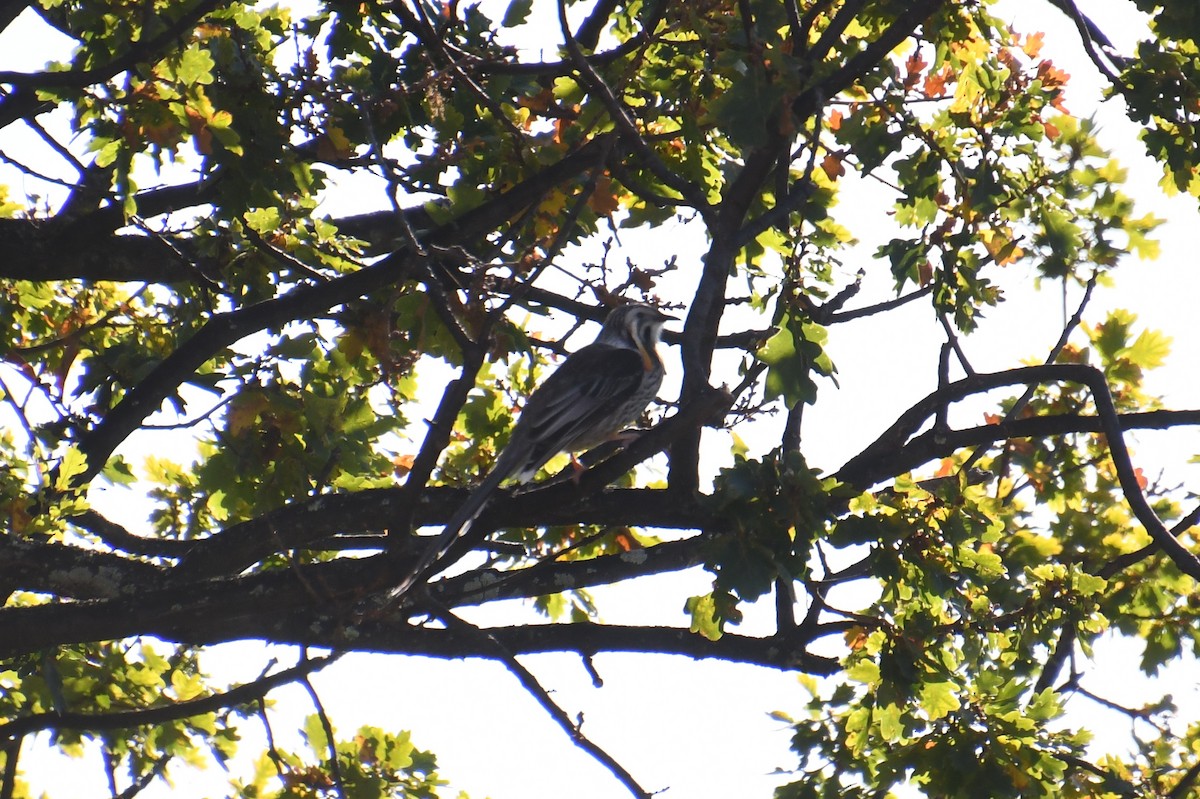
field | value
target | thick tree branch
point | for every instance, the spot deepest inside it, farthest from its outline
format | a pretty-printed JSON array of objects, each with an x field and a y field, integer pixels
[
  {"x": 282, "y": 608},
  {"x": 590, "y": 639},
  {"x": 69, "y": 571},
  {"x": 301, "y": 524},
  {"x": 123, "y": 541},
  {"x": 262, "y": 604},
  {"x": 36, "y": 251}
]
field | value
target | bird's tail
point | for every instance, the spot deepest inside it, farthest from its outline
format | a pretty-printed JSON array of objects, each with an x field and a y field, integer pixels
[{"x": 459, "y": 524}]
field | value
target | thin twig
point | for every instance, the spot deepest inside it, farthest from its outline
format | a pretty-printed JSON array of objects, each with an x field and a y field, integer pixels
[
  {"x": 1055, "y": 351},
  {"x": 18, "y": 409},
  {"x": 542, "y": 697},
  {"x": 881, "y": 307},
  {"x": 1135, "y": 714},
  {"x": 279, "y": 256},
  {"x": 142, "y": 782},
  {"x": 12, "y": 751},
  {"x": 158, "y": 715},
  {"x": 595, "y": 84},
  {"x": 272, "y": 749},
  {"x": 335, "y": 768},
  {"x": 952, "y": 340}
]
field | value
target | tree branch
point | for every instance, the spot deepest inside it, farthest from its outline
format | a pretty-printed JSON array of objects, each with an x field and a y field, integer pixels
[
  {"x": 942, "y": 442},
  {"x": 70, "y": 571},
  {"x": 906, "y": 23},
  {"x": 123, "y": 719},
  {"x": 628, "y": 130},
  {"x": 24, "y": 99},
  {"x": 302, "y": 524},
  {"x": 45, "y": 251},
  {"x": 542, "y": 697},
  {"x": 864, "y": 469},
  {"x": 219, "y": 332}
]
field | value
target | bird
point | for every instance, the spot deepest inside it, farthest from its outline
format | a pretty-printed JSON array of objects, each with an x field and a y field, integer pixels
[{"x": 592, "y": 396}]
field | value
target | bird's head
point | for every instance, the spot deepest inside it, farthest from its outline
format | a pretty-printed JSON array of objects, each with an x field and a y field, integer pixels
[{"x": 636, "y": 327}]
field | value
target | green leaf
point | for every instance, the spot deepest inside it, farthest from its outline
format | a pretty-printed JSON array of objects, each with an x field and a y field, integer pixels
[
  {"x": 517, "y": 13},
  {"x": 8, "y": 208},
  {"x": 314, "y": 734},
  {"x": 939, "y": 699},
  {"x": 890, "y": 725},
  {"x": 788, "y": 375},
  {"x": 705, "y": 621},
  {"x": 264, "y": 220},
  {"x": 1045, "y": 706},
  {"x": 195, "y": 66},
  {"x": 73, "y": 463},
  {"x": 1089, "y": 584},
  {"x": 118, "y": 471},
  {"x": 745, "y": 109},
  {"x": 186, "y": 686},
  {"x": 1149, "y": 351},
  {"x": 864, "y": 671}
]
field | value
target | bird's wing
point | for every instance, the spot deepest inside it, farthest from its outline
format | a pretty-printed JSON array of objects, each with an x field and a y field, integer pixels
[{"x": 590, "y": 385}]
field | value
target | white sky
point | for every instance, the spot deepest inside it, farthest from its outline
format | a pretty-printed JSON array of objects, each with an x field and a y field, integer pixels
[{"x": 700, "y": 730}]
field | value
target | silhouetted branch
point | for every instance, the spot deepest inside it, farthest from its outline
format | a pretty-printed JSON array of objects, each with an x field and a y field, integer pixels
[
  {"x": 879, "y": 459},
  {"x": 123, "y": 719},
  {"x": 542, "y": 697}
]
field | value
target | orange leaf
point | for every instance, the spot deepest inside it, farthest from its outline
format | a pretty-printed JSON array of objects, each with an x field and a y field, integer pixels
[
  {"x": 832, "y": 166},
  {"x": 538, "y": 102},
  {"x": 560, "y": 125},
  {"x": 626, "y": 542},
  {"x": 835, "y": 119},
  {"x": 1033, "y": 44},
  {"x": 199, "y": 127},
  {"x": 935, "y": 85},
  {"x": 856, "y": 637},
  {"x": 946, "y": 469},
  {"x": 1050, "y": 75},
  {"x": 332, "y": 145},
  {"x": 1008, "y": 60},
  {"x": 915, "y": 66},
  {"x": 243, "y": 411},
  {"x": 402, "y": 464},
  {"x": 603, "y": 200}
]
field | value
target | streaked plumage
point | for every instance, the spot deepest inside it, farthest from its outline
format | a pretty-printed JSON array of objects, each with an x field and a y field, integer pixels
[{"x": 595, "y": 393}]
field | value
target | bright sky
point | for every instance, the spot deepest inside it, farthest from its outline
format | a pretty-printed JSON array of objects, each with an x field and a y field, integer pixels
[{"x": 701, "y": 729}]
